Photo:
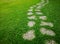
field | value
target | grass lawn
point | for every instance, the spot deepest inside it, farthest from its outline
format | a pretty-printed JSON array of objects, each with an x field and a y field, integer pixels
[{"x": 13, "y": 21}]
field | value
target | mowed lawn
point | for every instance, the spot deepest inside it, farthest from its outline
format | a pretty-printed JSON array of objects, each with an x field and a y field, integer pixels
[{"x": 13, "y": 21}]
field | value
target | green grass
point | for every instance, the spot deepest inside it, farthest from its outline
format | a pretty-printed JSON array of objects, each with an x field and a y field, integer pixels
[{"x": 13, "y": 21}]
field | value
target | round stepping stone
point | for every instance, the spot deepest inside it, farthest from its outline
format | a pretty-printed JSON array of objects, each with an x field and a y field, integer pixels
[
  {"x": 31, "y": 23},
  {"x": 29, "y": 35}
]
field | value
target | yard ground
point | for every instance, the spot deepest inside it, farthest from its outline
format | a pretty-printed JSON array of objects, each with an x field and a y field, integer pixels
[{"x": 13, "y": 21}]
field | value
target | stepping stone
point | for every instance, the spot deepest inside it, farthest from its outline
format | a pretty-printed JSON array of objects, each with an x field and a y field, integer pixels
[
  {"x": 30, "y": 10},
  {"x": 43, "y": 17},
  {"x": 39, "y": 13},
  {"x": 29, "y": 13},
  {"x": 30, "y": 35},
  {"x": 31, "y": 23},
  {"x": 50, "y": 42},
  {"x": 46, "y": 24},
  {"x": 45, "y": 31},
  {"x": 32, "y": 17}
]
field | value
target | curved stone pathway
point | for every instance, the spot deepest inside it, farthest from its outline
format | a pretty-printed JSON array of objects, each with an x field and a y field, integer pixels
[{"x": 36, "y": 9}]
